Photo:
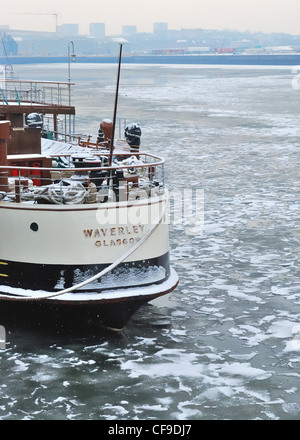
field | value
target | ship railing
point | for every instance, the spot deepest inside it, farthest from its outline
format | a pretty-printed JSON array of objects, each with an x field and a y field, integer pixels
[
  {"x": 84, "y": 140},
  {"x": 132, "y": 177},
  {"x": 35, "y": 92}
]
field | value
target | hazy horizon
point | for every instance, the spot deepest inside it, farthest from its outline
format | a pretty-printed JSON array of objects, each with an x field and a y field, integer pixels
[{"x": 243, "y": 15}]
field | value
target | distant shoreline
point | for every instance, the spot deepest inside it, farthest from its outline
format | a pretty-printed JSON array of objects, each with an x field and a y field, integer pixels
[{"x": 258, "y": 60}]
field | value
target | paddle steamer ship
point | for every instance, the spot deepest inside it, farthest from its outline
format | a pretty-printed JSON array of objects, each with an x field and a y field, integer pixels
[{"x": 84, "y": 232}]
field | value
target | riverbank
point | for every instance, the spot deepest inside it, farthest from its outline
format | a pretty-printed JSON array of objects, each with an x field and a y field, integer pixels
[{"x": 252, "y": 60}]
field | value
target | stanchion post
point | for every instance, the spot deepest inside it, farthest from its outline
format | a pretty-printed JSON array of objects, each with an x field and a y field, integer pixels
[{"x": 4, "y": 136}]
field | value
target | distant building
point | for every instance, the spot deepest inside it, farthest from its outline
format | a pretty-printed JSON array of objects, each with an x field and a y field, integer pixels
[
  {"x": 97, "y": 29},
  {"x": 198, "y": 49},
  {"x": 225, "y": 50},
  {"x": 70, "y": 29},
  {"x": 241, "y": 44},
  {"x": 187, "y": 41},
  {"x": 160, "y": 29},
  {"x": 8, "y": 46},
  {"x": 52, "y": 44},
  {"x": 129, "y": 30}
]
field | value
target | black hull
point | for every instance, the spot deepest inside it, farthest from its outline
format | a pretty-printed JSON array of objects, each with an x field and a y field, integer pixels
[
  {"x": 61, "y": 318},
  {"x": 107, "y": 307},
  {"x": 55, "y": 277}
]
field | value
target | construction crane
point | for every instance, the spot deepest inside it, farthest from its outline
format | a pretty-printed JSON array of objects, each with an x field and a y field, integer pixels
[{"x": 42, "y": 13}]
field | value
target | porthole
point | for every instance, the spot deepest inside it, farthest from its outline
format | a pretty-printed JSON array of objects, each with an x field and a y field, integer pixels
[{"x": 34, "y": 227}]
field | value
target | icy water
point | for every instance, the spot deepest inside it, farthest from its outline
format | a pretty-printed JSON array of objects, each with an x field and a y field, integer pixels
[{"x": 226, "y": 343}]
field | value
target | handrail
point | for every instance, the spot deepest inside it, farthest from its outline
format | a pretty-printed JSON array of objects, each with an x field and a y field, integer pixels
[
  {"x": 160, "y": 161},
  {"x": 52, "y": 92},
  {"x": 19, "y": 81}
]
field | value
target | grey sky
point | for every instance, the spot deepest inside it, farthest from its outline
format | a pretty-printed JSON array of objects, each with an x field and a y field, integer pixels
[{"x": 253, "y": 15}]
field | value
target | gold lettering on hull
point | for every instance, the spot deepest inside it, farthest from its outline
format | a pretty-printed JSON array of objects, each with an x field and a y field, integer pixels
[
  {"x": 118, "y": 242},
  {"x": 116, "y": 236}
]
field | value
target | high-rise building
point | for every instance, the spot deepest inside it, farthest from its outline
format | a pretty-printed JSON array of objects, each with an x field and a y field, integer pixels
[
  {"x": 97, "y": 29},
  {"x": 129, "y": 30},
  {"x": 70, "y": 29},
  {"x": 160, "y": 29}
]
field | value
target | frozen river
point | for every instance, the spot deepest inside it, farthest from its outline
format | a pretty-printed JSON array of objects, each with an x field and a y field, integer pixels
[{"x": 226, "y": 343}]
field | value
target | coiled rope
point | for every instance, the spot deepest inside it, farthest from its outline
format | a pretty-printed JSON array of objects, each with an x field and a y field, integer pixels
[{"x": 74, "y": 193}]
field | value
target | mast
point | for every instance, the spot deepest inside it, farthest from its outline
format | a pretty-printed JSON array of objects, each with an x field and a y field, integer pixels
[{"x": 121, "y": 41}]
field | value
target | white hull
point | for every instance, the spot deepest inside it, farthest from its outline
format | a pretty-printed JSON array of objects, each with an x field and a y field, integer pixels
[{"x": 81, "y": 235}]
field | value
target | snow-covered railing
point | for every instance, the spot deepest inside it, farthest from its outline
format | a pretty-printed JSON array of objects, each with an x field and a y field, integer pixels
[{"x": 77, "y": 180}]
